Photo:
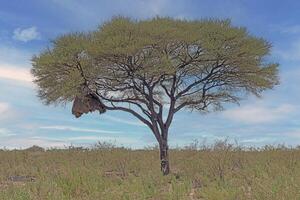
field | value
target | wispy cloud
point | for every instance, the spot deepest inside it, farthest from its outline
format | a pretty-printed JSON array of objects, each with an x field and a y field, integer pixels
[
  {"x": 292, "y": 29},
  {"x": 292, "y": 53},
  {"x": 77, "y": 129},
  {"x": 286, "y": 29},
  {"x": 15, "y": 56},
  {"x": 15, "y": 73},
  {"x": 86, "y": 14},
  {"x": 120, "y": 140},
  {"x": 21, "y": 142},
  {"x": 5, "y": 133},
  {"x": 88, "y": 138},
  {"x": 124, "y": 120},
  {"x": 295, "y": 133},
  {"x": 26, "y": 35},
  {"x": 155, "y": 7},
  {"x": 6, "y": 111},
  {"x": 256, "y": 140},
  {"x": 4, "y": 108},
  {"x": 93, "y": 138},
  {"x": 255, "y": 114}
]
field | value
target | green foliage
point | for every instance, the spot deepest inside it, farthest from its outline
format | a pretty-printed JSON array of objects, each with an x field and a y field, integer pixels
[
  {"x": 61, "y": 71},
  {"x": 219, "y": 172},
  {"x": 154, "y": 49}
]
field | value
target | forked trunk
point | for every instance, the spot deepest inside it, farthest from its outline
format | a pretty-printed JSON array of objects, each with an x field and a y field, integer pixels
[{"x": 164, "y": 158}]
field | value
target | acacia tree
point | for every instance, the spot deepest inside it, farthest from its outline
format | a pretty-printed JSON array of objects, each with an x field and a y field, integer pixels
[{"x": 155, "y": 68}]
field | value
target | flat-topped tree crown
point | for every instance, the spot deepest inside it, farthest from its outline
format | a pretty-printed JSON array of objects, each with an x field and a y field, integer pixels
[{"x": 156, "y": 66}]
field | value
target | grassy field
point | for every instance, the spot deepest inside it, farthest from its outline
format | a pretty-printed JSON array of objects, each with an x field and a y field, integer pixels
[{"x": 221, "y": 172}]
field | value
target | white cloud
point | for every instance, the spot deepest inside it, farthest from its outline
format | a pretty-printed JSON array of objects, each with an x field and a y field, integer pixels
[
  {"x": 292, "y": 29},
  {"x": 286, "y": 29},
  {"x": 295, "y": 134},
  {"x": 6, "y": 111},
  {"x": 81, "y": 139},
  {"x": 5, "y": 132},
  {"x": 15, "y": 73},
  {"x": 120, "y": 140},
  {"x": 156, "y": 6},
  {"x": 292, "y": 53},
  {"x": 15, "y": 66},
  {"x": 256, "y": 140},
  {"x": 255, "y": 114},
  {"x": 21, "y": 142},
  {"x": 86, "y": 13},
  {"x": 134, "y": 122},
  {"x": 26, "y": 34},
  {"x": 88, "y": 138},
  {"x": 71, "y": 128},
  {"x": 15, "y": 56},
  {"x": 4, "y": 107}
]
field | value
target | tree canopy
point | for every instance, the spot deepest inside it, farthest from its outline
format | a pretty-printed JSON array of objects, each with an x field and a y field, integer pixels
[{"x": 157, "y": 67}]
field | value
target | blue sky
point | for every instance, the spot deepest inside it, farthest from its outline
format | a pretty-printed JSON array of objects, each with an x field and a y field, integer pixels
[{"x": 28, "y": 26}]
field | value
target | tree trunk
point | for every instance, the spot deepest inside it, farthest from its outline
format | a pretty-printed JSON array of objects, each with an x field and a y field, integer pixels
[{"x": 164, "y": 158}]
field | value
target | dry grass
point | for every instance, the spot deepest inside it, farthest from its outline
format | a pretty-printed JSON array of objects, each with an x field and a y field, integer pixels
[{"x": 221, "y": 172}]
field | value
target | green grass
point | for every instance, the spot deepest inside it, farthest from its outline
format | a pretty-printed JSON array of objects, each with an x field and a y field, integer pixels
[{"x": 218, "y": 173}]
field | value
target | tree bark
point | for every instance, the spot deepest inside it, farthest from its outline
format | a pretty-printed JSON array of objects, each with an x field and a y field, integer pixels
[{"x": 164, "y": 157}]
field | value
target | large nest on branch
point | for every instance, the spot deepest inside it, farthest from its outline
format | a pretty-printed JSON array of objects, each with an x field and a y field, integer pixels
[{"x": 87, "y": 103}]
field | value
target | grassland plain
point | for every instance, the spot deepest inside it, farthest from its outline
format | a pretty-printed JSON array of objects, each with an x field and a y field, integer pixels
[{"x": 219, "y": 172}]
